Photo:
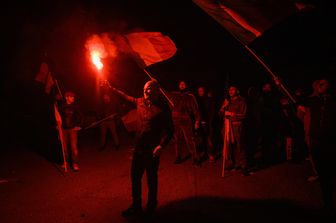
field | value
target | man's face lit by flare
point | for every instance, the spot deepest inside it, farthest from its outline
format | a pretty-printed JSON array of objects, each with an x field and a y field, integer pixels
[
  {"x": 233, "y": 91},
  {"x": 69, "y": 99},
  {"x": 151, "y": 90},
  {"x": 201, "y": 91},
  {"x": 182, "y": 85}
]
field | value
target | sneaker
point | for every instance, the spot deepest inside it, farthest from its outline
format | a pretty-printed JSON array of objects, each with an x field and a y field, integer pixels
[
  {"x": 64, "y": 166},
  {"x": 75, "y": 167},
  {"x": 236, "y": 168},
  {"x": 312, "y": 178},
  {"x": 211, "y": 159},
  {"x": 246, "y": 173},
  {"x": 132, "y": 212},
  {"x": 178, "y": 160},
  {"x": 229, "y": 168},
  {"x": 197, "y": 162}
]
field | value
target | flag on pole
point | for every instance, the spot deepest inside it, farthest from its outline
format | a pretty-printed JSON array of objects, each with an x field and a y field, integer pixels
[
  {"x": 57, "y": 114},
  {"x": 151, "y": 47},
  {"x": 58, "y": 120},
  {"x": 247, "y": 20},
  {"x": 44, "y": 76}
]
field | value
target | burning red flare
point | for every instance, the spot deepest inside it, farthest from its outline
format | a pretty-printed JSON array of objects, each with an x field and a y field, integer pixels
[
  {"x": 100, "y": 47},
  {"x": 96, "y": 59}
]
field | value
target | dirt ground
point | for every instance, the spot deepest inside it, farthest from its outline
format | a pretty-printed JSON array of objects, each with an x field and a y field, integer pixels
[{"x": 34, "y": 189}]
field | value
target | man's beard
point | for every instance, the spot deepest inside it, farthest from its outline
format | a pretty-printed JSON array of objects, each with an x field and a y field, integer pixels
[
  {"x": 183, "y": 90},
  {"x": 150, "y": 97}
]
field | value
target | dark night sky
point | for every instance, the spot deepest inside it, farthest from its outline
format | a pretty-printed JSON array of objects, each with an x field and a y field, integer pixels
[{"x": 301, "y": 46}]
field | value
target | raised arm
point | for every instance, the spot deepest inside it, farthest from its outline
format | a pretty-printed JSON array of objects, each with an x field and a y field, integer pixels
[{"x": 124, "y": 95}]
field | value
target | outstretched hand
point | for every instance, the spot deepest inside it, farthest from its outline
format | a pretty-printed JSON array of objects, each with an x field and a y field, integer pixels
[
  {"x": 157, "y": 151},
  {"x": 197, "y": 124},
  {"x": 226, "y": 103},
  {"x": 77, "y": 128}
]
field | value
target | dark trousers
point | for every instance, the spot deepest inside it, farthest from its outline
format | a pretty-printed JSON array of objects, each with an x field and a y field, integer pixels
[
  {"x": 104, "y": 128},
  {"x": 205, "y": 135},
  {"x": 184, "y": 136},
  {"x": 142, "y": 162},
  {"x": 323, "y": 155},
  {"x": 70, "y": 137},
  {"x": 238, "y": 148}
]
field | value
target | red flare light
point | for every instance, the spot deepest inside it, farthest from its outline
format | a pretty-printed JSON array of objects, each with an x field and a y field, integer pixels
[{"x": 96, "y": 60}]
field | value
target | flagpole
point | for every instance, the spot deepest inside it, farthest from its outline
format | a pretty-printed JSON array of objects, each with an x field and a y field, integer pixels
[
  {"x": 225, "y": 142},
  {"x": 58, "y": 88},
  {"x": 59, "y": 125},
  {"x": 275, "y": 78},
  {"x": 217, "y": 5},
  {"x": 99, "y": 121},
  {"x": 164, "y": 94},
  {"x": 60, "y": 135},
  {"x": 224, "y": 151}
]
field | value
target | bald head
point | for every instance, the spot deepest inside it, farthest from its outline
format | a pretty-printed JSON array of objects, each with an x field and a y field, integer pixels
[{"x": 151, "y": 90}]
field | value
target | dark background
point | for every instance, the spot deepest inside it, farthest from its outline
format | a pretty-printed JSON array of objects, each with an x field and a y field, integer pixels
[
  {"x": 298, "y": 50},
  {"x": 299, "y": 47}
]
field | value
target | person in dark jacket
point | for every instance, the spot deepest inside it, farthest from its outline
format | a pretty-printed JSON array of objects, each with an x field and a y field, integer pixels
[
  {"x": 71, "y": 122},
  {"x": 186, "y": 118},
  {"x": 154, "y": 130},
  {"x": 322, "y": 110},
  {"x": 207, "y": 109},
  {"x": 234, "y": 112}
]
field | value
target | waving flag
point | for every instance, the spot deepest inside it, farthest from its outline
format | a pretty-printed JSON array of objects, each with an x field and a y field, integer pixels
[
  {"x": 151, "y": 47},
  {"x": 44, "y": 76},
  {"x": 146, "y": 48},
  {"x": 247, "y": 20}
]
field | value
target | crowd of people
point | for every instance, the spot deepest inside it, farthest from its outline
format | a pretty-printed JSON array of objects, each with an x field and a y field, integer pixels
[{"x": 250, "y": 132}]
